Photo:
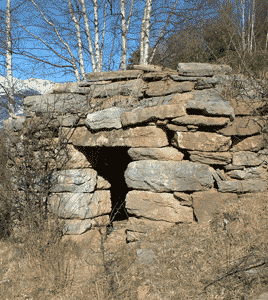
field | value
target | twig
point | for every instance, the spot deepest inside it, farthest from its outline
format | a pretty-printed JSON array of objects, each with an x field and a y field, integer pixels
[{"x": 235, "y": 270}]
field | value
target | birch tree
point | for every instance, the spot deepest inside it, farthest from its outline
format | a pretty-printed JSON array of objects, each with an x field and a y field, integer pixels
[
  {"x": 96, "y": 63},
  {"x": 123, "y": 62},
  {"x": 78, "y": 13},
  {"x": 145, "y": 28},
  {"x": 10, "y": 91}
]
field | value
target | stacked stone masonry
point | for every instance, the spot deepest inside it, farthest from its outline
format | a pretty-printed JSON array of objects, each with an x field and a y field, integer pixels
[{"x": 190, "y": 148}]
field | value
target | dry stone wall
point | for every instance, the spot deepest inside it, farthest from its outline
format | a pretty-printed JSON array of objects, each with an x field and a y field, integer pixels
[{"x": 190, "y": 148}]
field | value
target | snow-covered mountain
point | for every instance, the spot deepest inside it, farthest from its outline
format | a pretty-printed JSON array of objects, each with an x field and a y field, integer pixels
[
  {"x": 40, "y": 85},
  {"x": 23, "y": 88}
]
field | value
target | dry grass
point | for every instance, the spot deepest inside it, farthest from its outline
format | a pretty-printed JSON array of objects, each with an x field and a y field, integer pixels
[{"x": 191, "y": 262}]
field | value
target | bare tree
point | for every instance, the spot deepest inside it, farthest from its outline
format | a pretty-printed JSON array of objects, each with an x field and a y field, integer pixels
[
  {"x": 76, "y": 13},
  {"x": 246, "y": 31},
  {"x": 9, "y": 61},
  {"x": 123, "y": 62}
]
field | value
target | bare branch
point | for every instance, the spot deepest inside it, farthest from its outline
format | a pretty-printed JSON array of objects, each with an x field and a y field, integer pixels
[{"x": 64, "y": 43}]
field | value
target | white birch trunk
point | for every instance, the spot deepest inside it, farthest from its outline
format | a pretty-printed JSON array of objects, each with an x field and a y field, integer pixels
[
  {"x": 103, "y": 33},
  {"x": 79, "y": 41},
  {"x": 147, "y": 32},
  {"x": 9, "y": 62},
  {"x": 243, "y": 25},
  {"x": 90, "y": 48},
  {"x": 248, "y": 30},
  {"x": 97, "y": 44},
  {"x": 124, "y": 37},
  {"x": 123, "y": 61},
  {"x": 252, "y": 25},
  {"x": 143, "y": 34}
]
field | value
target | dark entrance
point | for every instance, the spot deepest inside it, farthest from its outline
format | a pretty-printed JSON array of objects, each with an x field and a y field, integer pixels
[{"x": 111, "y": 163}]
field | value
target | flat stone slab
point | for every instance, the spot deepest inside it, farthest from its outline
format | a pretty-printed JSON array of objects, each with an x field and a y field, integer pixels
[
  {"x": 246, "y": 158},
  {"x": 263, "y": 155},
  {"x": 242, "y": 186},
  {"x": 206, "y": 83},
  {"x": 252, "y": 143},
  {"x": 165, "y": 176},
  {"x": 158, "y": 75},
  {"x": 218, "y": 158},
  {"x": 211, "y": 108},
  {"x": 202, "y": 69},
  {"x": 201, "y": 121},
  {"x": 244, "y": 126},
  {"x": 147, "y": 114},
  {"x": 70, "y": 158},
  {"x": 176, "y": 98},
  {"x": 102, "y": 184},
  {"x": 56, "y": 103},
  {"x": 77, "y": 227},
  {"x": 201, "y": 141},
  {"x": 143, "y": 225},
  {"x": 68, "y": 120},
  {"x": 133, "y": 88},
  {"x": 249, "y": 173},
  {"x": 207, "y": 95},
  {"x": 80, "y": 205},
  {"x": 75, "y": 181},
  {"x": 166, "y": 153},
  {"x": 112, "y": 75},
  {"x": 149, "y": 136},
  {"x": 158, "y": 207},
  {"x": 205, "y": 203},
  {"x": 162, "y": 88},
  {"x": 107, "y": 118}
]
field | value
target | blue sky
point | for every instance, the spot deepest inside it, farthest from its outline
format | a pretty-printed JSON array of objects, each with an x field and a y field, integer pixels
[{"x": 28, "y": 15}]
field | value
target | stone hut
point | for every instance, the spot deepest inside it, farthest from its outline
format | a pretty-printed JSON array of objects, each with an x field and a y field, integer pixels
[{"x": 161, "y": 146}]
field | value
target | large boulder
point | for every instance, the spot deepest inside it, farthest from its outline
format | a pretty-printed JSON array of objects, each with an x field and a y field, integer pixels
[
  {"x": 80, "y": 205},
  {"x": 167, "y": 176},
  {"x": 78, "y": 227},
  {"x": 75, "y": 181},
  {"x": 212, "y": 108},
  {"x": 157, "y": 206},
  {"x": 107, "y": 118}
]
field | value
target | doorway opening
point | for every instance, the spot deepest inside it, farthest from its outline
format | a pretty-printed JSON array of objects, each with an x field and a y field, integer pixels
[{"x": 111, "y": 163}]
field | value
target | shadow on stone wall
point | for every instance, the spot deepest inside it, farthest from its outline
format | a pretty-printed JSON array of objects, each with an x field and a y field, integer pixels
[{"x": 111, "y": 163}]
